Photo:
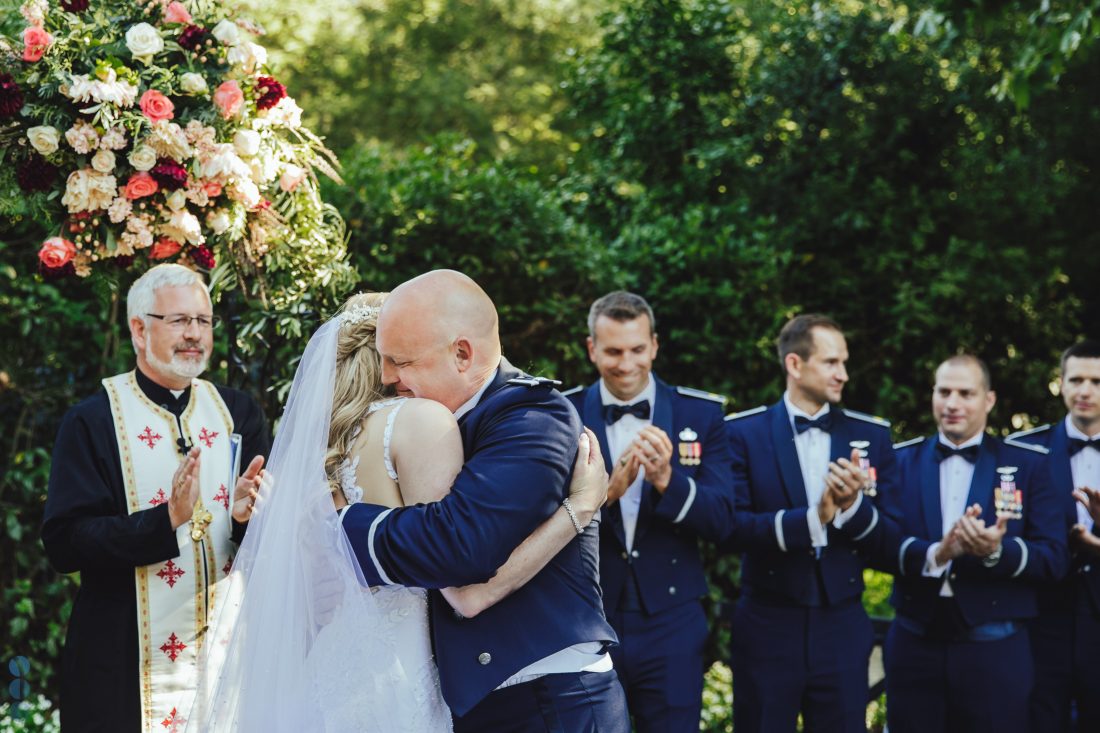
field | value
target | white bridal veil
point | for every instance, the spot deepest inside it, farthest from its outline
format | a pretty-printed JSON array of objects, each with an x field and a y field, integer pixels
[{"x": 295, "y": 646}]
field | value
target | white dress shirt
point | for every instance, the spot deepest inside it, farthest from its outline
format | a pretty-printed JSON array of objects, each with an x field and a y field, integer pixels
[
  {"x": 1085, "y": 467},
  {"x": 813, "y": 447},
  {"x": 956, "y": 475},
  {"x": 620, "y": 435}
]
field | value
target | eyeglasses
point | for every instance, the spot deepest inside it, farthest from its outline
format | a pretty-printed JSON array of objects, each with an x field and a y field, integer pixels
[{"x": 182, "y": 323}]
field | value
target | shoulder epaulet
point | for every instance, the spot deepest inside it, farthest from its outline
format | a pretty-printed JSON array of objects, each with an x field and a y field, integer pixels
[
  {"x": 534, "y": 382},
  {"x": 746, "y": 413},
  {"x": 1027, "y": 446},
  {"x": 866, "y": 418},
  {"x": 572, "y": 390},
  {"x": 1032, "y": 431},
  {"x": 701, "y": 394},
  {"x": 907, "y": 443}
]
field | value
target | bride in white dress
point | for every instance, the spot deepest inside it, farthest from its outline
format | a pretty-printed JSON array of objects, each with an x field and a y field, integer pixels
[{"x": 302, "y": 644}]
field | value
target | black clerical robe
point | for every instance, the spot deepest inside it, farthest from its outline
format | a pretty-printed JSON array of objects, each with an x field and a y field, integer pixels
[{"x": 87, "y": 528}]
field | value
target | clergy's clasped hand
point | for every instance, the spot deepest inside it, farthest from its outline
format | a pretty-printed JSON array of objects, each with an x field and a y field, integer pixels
[
  {"x": 185, "y": 489},
  {"x": 247, "y": 490}
]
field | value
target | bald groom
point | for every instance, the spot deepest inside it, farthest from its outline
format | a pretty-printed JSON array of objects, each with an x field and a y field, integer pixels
[{"x": 537, "y": 660}]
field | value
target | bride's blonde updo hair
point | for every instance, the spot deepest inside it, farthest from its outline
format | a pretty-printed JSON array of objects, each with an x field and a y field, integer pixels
[{"x": 358, "y": 381}]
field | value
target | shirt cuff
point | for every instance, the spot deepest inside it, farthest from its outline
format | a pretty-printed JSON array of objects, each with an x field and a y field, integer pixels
[
  {"x": 931, "y": 569},
  {"x": 818, "y": 537},
  {"x": 844, "y": 515}
]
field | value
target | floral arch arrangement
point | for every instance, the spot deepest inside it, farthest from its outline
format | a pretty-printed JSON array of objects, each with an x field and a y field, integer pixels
[{"x": 144, "y": 131}]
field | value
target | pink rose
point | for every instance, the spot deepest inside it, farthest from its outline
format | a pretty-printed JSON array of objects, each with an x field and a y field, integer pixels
[
  {"x": 139, "y": 186},
  {"x": 156, "y": 107},
  {"x": 56, "y": 252},
  {"x": 291, "y": 177},
  {"x": 176, "y": 13},
  {"x": 229, "y": 99},
  {"x": 163, "y": 248},
  {"x": 35, "y": 43},
  {"x": 213, "y": 189}
]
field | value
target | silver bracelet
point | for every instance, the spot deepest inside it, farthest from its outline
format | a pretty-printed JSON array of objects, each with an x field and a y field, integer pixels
[
  {"x": 572, "y": 515},
  {"x": 994, "y": 557}
]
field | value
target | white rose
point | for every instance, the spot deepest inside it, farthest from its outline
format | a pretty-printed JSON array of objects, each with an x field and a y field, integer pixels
[
  {"x": 184, "y": 226},
  {"x": 247, "y": 55},
  {"x": 177, "y": 200},
  {"x": 247, "y": 142},
  {"x": 103, "y": 161},
  {"x": 76, "y": 192},
  {"x": 218, "y": 221},
  {"x": 144, "y": 41},
  {"x": 44, "y": 138},
  {"x": 227, "y": 32},
  {"x": 224, "y": 163},
  {"x": 246, "y": 192},
  {"x": 143, "y": 158},
  {"x": 192, "y": 83}
]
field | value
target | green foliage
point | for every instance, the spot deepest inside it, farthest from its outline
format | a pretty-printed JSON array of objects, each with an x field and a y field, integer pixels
[
  {"x": 437, "y": 207},
  {"x": 1041, "y": 40},
  {"x": 402, "y": 71}
]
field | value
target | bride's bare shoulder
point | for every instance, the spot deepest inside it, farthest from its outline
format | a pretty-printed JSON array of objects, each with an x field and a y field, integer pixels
[{"x": 420, "y": 417}]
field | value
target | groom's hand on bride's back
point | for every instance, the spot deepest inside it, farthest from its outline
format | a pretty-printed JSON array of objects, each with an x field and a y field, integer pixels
[{"x": 588, "y": 490}]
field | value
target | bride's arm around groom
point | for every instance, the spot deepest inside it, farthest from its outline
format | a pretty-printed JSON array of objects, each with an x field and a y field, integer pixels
[{"x": 438, "y": 339}]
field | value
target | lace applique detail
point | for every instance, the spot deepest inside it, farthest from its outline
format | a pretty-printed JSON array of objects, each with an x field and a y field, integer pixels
[
  {"x": 346, "y": 473},
  {"x": 388, "y": 434}
]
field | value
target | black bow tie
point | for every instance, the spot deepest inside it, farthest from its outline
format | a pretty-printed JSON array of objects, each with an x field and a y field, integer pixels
[
  {"x": 802, "y": 424},
  {"x": 1076, "y": 445},
  {"x": 612, "y": 413},
  {"x": 970, "y": 452}
]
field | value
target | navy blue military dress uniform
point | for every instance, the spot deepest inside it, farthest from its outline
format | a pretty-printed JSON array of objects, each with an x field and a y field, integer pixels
[
  {"x": 653, "y": 583},
  {"x": 957, "y": 656},
  {"x": 519, "y": 442},
  {"x": 801, "y": 639},
  {"x": 1065, "y": 637}
]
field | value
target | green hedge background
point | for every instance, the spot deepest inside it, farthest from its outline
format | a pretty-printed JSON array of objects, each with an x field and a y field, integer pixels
[{"x": 924, "y": 173}]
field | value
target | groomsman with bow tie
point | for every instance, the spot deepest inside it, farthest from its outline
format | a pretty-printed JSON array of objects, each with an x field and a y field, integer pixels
[
  {"x": 1065, "y": 638},
  {"x": 670, "y": 487},
  {"x": 970, "y": 530},
  {"x": 801, "y": 639}
]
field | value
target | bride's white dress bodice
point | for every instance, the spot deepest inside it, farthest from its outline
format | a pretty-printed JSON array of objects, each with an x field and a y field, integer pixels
[{"x": 415, "y": 692}]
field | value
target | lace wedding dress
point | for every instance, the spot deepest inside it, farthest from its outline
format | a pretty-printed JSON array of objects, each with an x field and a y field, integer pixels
[{"x": 414, "y": 696}]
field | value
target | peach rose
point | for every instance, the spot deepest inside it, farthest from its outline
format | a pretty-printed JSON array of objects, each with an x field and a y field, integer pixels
[
  {"x": 292, "y": 176},
  {"x": 229, "y": 98},
  {"x": 213, "y": 189},
  {"x": 56, "y": 252},
  {"x": 140, "y": 185},
  {"x": 35, "y": 43},
  {"x": 156, "y": 107},
  {"x": 176, "y": 13},
  {"x": 164, "y": 247}
]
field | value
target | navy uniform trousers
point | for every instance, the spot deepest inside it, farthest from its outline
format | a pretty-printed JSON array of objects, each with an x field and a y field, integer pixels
[
  {"x": 652, "y": 590},
  {"x": 801, "y": 639},
  {"x": 1065, "y": 637},
  {"x": 962, "y": 663}
]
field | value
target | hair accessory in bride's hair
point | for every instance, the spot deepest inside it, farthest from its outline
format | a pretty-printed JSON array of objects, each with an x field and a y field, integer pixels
[{"x": 357, "y": 314}]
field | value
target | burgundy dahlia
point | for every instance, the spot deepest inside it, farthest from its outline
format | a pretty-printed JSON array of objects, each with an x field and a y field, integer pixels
[
  {"x": 271, "y": 92},
  {"x": 35, "y": 174},
  {"x": 11, "y": 96},
  {"x": 74, "y": 6},
  {"x": 169, "y": 174},
  {"x": 122, "y": 261},
  {"x": 202, "y": 256},
  {"x": 56, "y": 273},
  {"x": 192, "y": 37}
]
